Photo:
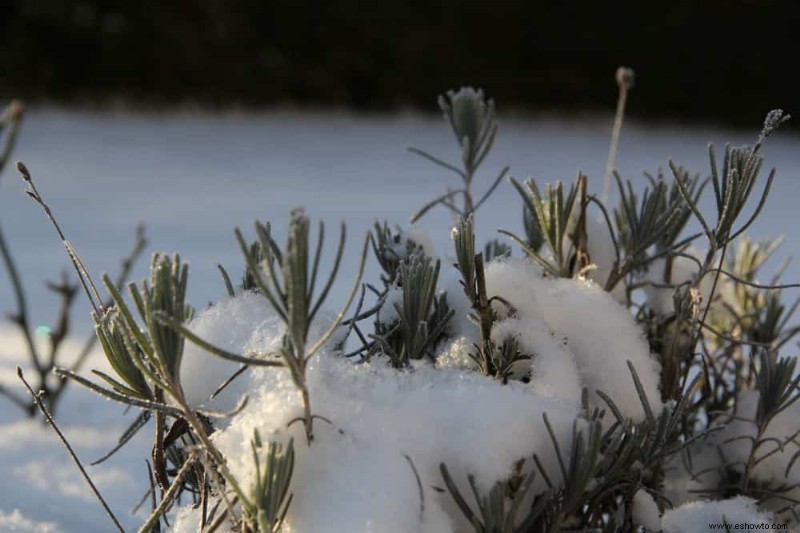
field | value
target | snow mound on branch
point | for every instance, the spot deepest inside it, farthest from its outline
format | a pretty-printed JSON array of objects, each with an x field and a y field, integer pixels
[
  {"x": 602, "y": 254},
  {"x": 739, "y": 434},
  {"x": 600, "y": 247},
  {"x": 645, "y": 511},
  {"x": 386, "y": 427},
  {"x": 233, "y": 324},
  {"x": 456, "y": 354},
  {"x": 598, "y": 336},
  {"x": 696, "y": 517},
  {"x": 554, "y": 369},
  {"x": 356, "y": 474},
  {"x": 421, "y": 237}
]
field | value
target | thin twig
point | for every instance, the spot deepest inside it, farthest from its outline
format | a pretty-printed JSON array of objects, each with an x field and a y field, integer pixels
[
  {"x": 166, "y": 499},
  {"x": 737, "y": 279},
  {"x": 624, "y": 79},
  {"x": 21, "y": 318},
  {"x": 437, "y": 161},
  {"x": 121, "y": 398},
  {"x": 419, "y": 485},
  {"x": 46, "y": 413},
  {"x": 83, "y": 275}
]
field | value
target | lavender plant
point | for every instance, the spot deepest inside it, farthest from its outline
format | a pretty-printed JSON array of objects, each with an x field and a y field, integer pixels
[{"x": 713, "y": 397}]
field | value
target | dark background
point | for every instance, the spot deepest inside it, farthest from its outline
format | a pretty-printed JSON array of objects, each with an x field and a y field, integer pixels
[{"x": 727, "y": 61}]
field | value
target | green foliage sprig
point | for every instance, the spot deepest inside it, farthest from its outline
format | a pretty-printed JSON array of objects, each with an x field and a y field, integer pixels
[
  {"x": 559, "y": 218},
  {"x": 422, "y": 315},
  {"x": 270, "y": 498},
  {"x": 473, "y": 123},
  {"x": 289, "y": 286},
  {"x": 492, "y": 358}
]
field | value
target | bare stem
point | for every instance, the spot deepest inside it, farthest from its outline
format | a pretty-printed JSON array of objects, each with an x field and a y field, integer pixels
[
  {"x": 86, "y": 281},
  {"x": 21, "y": 317},
  {"x": 168, "y": 496},
  {"x": 37, "y": 399},
  {"x": 624, "y": 79}
]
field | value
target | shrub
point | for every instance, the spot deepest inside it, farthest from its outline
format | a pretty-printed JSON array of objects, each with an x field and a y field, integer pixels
[{"x": 619, "y": 374}]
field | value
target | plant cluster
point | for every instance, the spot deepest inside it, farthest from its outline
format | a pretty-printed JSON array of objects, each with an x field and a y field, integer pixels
[{"x": 725, "y": 393}]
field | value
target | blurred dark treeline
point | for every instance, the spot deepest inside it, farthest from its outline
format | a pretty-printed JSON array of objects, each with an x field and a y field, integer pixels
[{"x": 723, "y": 60}]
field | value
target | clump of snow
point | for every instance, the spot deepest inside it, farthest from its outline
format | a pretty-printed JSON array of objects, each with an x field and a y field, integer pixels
[
  {"x": 602, "y": 254},
  {"x": 699, "y": 472},
  {"x": 357, "y": 476},
  {"x": 600, "y": 247},
  {"x": 600, "y": 334},
  {"x": 188, "y": 519},
  {"x": 553, "y": 367},
  {"x": 247, "y": 325},
  {"x": 457, "y": 301},
  {"x": 422, "y": 238},
  {"x": 377, "y": 491},
  {"x": 414, "y": 238},
  {"x": 740, "y": 513},
  {"x": 233, "y": 324},
  {"x": 393, "y": 300},
  {"x": 738, "y": 436},
  {"x": 645, "y": 511}
]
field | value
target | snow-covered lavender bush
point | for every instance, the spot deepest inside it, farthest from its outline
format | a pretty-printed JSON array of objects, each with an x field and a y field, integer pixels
[{"x": 615, "y": 372}]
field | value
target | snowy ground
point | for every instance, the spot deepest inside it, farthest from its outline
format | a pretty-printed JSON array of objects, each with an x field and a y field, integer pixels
[{"x": 194, "y": 178}]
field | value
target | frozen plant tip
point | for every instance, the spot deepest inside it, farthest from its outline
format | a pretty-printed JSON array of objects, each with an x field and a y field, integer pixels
[
  {"x": 289, "y": 285},
  {"x": 472, "y": 120},
  {"x": 561, "y": 221},
  {"x": 153, "y": 351},
  {"x": 625, "y": 78},
  {"x": 270, "y": 498},
  {"x": 422, "y": 315}
]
